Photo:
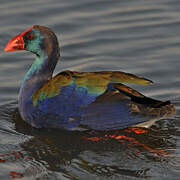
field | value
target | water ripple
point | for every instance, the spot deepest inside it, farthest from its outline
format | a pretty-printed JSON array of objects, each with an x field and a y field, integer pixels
[{"x": 141, "y": 37}]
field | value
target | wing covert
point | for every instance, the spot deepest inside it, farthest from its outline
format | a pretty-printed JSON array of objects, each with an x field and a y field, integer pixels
[
  {"x": 93, "y": 83},
  {"x": 52, "y": 87}
]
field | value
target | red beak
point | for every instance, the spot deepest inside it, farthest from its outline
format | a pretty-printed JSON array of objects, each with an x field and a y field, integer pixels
[{"x": 17, "y": 43}]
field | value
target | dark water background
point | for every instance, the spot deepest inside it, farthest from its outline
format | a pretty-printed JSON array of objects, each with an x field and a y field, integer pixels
[{"x": 139, "y": 36}]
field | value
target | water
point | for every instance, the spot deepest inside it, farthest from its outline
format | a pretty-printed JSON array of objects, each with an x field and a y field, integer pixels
[{"x": 141, "y": 37}]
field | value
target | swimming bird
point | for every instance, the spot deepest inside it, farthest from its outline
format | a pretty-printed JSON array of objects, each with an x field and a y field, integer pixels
[{"x": 79, "y": 100}]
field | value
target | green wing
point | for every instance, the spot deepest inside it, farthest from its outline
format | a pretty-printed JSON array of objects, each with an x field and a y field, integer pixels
[{"x": 94, "y": 82}]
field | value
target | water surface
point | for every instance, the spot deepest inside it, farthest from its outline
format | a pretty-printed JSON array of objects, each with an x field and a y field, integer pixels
[{"x": 140, "y": 37}]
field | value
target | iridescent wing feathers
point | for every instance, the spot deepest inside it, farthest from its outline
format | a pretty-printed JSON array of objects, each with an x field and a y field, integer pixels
[{"x": 95, "y": 83}]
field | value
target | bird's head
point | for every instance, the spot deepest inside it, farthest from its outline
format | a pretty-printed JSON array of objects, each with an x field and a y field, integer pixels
[{"x": 37, "y": 39}]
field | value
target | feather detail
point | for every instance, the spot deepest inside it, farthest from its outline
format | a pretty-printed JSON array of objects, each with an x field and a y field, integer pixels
[
  {"x": 138, "y": 97},
  {"x": 95, "y": 83},
  {"x": 114, "y": 77},
  {"x": 52, "y": 87}
]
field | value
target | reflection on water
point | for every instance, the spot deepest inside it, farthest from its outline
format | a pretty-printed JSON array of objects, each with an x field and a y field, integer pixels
[
  {"x": 47, "y": 153},
  {"x": 141, "y": 37}
]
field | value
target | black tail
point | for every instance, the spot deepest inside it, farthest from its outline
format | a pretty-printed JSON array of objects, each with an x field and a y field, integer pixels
[{"x": 138, "y": 97}]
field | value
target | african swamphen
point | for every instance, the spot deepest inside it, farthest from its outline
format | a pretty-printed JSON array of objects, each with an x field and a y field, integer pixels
[{"x": 79, "y": 100}]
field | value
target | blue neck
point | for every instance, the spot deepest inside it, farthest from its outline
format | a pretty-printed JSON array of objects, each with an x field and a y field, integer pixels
[
  {"x": 36, "y": 69},
  {"x": 39, "y": 73}
]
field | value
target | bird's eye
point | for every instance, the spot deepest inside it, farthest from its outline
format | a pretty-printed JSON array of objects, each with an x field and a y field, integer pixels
[{"x": 30, "y": 37}]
